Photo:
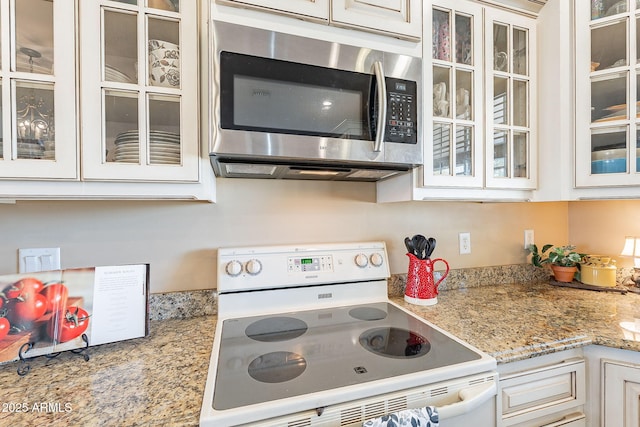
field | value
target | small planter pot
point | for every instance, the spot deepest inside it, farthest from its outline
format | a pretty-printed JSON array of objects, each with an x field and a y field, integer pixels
[{"x": 563, "y": 274}]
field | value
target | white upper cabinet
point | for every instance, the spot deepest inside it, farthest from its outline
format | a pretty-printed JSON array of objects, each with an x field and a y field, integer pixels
[
  {"x": 316, "y": 9},
  {"x": 402, "y": 18},
  {"x": 139, "y": 99},
  {"x": 608, "y": 100},
  {"x": 37, "y": 100},
  {"x": 396, "y": 18}
]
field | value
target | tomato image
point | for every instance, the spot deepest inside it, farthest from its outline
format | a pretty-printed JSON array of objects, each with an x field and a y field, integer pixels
[
  {"x": 26, "y": 311},
  {"x": 56, "y": 295},
  {"x": 4, "y": 327},
  {"x": 24, "y": 287},
  {"x": 68, "y": 324}
]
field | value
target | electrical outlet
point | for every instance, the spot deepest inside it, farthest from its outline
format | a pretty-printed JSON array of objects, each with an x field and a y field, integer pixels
[
  {"x": 38, "y": 259},
  {"x": 465, "y": 243},
  {"x": 528, "y": 238}
]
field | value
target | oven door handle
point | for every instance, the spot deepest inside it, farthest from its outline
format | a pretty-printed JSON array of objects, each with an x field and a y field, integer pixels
[
  {"x": 470, "y": 399},
  {"x": 381, "y": 91}
]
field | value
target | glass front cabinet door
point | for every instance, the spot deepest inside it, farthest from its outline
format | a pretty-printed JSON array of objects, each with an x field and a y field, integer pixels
[
  {"x": 510, "y": 66},
  {"x": 37, "y": 100},
  {"x": 608, "y": 94},
  {"x": 139, "y": 87},
  {"x": 454, "y": 157}
]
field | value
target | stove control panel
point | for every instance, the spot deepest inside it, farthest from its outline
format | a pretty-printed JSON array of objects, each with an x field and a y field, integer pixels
[
  {"x": 304, "y": 264},
  {"x": 270, "y": 267}
]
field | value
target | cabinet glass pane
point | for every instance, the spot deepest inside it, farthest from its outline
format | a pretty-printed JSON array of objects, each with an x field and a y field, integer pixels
[
  {"x": 170, "y": 5},
  {"x": 441, "y": 87},
  {"x": 602, "y": 8},
  {"x": 35, "y": 120},
  {"x": 127, "y": 1},
  {"x": 637, "y": 38},
  {"x": 637, "y": 112},
  {"x": 164, "y": 133},
  {"x": 609, "y": 150},
  {"x": 637, "y": 156},
  {"x": 464, "y": 92},
  {"x": 464, "y": 150},
  {"x": 122, "y": 142},
  {"x": 34, "y": 36},
  {"x": 500, "y": 47},
  {"x": 520, "y": 154},
  {"x": 164, "y": 53},
  {"x": 500, "y": 100},
  {"x": 500, "y": 153},
  {"x": 441, "y": 35},
  {"x": 441, "y": 149},
  {"x": 464, "y": 46},
  {"x": 520, "y": 43},
  {"x": 120, "y": 47},
  {"x": 609, "y": 46},
  {"x": 1, "y": 128},
  {"x": 609, "y": 98},
  {"x": 520, "y": 103}
]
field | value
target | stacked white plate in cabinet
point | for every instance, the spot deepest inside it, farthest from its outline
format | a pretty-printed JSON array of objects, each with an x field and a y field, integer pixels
[
  {"x": 164, "y": 147},
  {"x": 114, "y": 75},
  {"x": 30, "y": 148}
]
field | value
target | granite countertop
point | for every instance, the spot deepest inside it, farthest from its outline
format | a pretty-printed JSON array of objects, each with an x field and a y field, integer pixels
[{"x": 159, "y": 380}]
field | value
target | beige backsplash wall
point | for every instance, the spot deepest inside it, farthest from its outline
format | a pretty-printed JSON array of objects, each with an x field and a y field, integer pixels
[
  {"x": 599, "y": 227},
  {"x": 179, "y": 239}
]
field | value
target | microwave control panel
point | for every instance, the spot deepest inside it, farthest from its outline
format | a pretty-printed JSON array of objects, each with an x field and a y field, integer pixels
[{"x": 401, "y": 111}]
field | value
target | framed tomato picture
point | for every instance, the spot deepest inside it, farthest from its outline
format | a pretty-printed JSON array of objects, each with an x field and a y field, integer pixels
[{"x": 53, "y": 311}]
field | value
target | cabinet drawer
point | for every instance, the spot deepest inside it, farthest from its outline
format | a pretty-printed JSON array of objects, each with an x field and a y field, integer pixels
[{"x": 538, "y": 392}]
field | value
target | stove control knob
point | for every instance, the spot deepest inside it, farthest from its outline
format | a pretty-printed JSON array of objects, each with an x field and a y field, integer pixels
[
  {"x": 361, "y": 260},
  {"x": 253, "y": 267},
  {"x": 376, "y": 259},
  {"x": 233, "y": 268}
]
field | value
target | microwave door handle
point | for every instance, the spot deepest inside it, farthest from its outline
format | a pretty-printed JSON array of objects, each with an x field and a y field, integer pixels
[{"x": 382, "y": 106}]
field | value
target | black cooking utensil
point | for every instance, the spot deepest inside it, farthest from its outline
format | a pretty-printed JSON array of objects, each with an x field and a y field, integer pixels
[
  {"x": 431, "y": 246},
  {"x": 409, "y": 244}
]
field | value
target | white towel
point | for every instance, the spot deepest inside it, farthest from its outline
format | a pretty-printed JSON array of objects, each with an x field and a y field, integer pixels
[{"x": 420, "y": 417}]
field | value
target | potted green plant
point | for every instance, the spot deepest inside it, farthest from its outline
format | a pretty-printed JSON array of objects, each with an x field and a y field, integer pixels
[{"x": 564, "y": 261}]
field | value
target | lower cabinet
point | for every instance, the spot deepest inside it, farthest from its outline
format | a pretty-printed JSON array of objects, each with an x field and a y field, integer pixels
[
  {"x": 543, "y": 391},
  {"x": 614, "y": 384},
  {"x": 621, "y": 394}
]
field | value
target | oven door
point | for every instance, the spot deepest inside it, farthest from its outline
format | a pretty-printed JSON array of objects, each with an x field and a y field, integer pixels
[{"x": 464, "y": 402}]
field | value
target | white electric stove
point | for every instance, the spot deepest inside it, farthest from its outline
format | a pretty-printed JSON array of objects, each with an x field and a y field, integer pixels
[{"x": 306, "y": 336}]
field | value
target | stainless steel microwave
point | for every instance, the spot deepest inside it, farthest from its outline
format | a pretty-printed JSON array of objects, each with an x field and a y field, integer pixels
[{"x": 292, "y": 107}]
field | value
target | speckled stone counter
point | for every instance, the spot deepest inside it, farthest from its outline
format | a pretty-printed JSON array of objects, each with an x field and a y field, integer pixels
[
  {"x": 159, "y": 380},
  {"x": 153, "y": 381}
]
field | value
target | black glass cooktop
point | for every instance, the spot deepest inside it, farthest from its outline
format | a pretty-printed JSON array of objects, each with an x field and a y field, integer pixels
[{"x": 264, "y": 358}]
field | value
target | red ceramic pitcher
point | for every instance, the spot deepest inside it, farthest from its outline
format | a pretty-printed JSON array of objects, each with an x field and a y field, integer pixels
[{"x": 421, "y": 288}]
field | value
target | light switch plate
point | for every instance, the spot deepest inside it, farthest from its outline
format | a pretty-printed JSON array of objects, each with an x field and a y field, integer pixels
[{"x": 38, "y": 259}]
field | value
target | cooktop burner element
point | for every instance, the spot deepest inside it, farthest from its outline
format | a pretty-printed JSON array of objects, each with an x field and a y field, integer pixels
[
  {"x": 275, "y": 329},
  {"x": 394, "y": 342},
  {"x": 367, "y": 313},
  {"x": 277, "y": 367}
]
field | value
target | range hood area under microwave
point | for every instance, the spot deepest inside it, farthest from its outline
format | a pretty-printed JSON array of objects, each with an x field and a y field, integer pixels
[{"x": 292, "y": 107}]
